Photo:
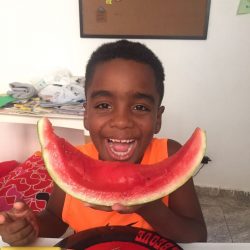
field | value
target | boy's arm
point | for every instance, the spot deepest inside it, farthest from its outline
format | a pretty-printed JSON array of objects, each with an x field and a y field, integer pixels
[
  {"x": 20, "y": 226},
  {"x": 50, "y": 220},
  {"x": 183, "y": 220}
]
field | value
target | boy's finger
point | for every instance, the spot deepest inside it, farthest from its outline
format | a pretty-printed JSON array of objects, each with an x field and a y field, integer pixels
[
  {"x": 19, "y": 210},
  {"x": 17, "y": 231},
  {"x": 98, "y": 207},
  {"x": 125, "y": 209},
  {"x": 20, "y": 207},
  {"x": 118, "y": 207},
  {"x": 4, "y": 217},
  {"x": 86, "y": 204},
  {"x": 25, "y": 240}
]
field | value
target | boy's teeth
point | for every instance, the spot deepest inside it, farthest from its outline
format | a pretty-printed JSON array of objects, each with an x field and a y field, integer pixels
[
  {"x": 121, "y": 149},
  {"x": 120, "y": 141}
]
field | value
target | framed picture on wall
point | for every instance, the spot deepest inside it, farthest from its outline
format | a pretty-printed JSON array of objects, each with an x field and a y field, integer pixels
[{"x": 159, "y": 19}]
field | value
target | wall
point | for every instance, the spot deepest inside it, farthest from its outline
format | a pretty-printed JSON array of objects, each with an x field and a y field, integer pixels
[
  {"x": 19, "y": 142},
  {"x": 207, "y": 82}
]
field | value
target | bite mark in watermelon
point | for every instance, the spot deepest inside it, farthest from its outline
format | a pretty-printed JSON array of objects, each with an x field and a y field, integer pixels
[{"x": 106, "y": 183}]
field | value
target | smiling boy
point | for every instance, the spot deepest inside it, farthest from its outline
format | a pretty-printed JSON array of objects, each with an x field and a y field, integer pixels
[{"x": 124, "y": 90}]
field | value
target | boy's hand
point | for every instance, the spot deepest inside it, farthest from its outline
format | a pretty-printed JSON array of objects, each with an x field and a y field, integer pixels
[
  {"x": 18, "y": 226},
  {"x": 116, "y": 207},
  {"x": 125, "y": 209}
]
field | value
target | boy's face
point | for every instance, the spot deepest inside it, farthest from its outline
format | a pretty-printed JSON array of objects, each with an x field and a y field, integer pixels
[{"x": 122, "y": 111}]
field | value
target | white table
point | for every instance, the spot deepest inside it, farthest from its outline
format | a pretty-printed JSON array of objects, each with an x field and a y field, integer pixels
[
  {"x": 58, "y": 120},
  {"x": 191, "y": 246}
]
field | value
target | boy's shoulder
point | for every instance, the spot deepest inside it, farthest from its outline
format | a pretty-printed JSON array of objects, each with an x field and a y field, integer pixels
[
  {"x": 88, "y": 149},
  {"x": 173, "y": 146}
]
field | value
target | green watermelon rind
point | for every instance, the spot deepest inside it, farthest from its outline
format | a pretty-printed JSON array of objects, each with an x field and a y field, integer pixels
[{"x": 67, "y": 184}]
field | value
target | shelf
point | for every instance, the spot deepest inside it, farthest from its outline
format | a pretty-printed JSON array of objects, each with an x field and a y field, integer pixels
[{"x": 58, "y": 120}]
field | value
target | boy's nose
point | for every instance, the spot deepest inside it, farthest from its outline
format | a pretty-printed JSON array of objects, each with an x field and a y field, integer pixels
[{"x": 121, "y": 120}]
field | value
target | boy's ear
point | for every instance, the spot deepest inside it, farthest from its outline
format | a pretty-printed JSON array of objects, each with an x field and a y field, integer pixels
[
  {"x": 159, "y": 119},
  {"x": 85, "y": 116}
]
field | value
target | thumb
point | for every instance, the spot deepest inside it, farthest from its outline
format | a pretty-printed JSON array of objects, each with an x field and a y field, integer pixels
[
  {"x": 2, "y": 219},
  {"x": 20, "y": 209},
  {"x": 5, "y": 218}
]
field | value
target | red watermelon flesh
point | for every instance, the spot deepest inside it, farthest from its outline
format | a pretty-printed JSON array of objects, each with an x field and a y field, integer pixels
[{"x": 106, "y": 183}]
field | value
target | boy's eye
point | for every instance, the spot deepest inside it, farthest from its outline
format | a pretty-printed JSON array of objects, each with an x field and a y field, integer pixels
[
  {"x": 141, "y": 107},
  {"x": 103, "y": 106}
]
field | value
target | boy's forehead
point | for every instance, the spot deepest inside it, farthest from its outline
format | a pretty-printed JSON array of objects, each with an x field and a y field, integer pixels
[
  {"x": 122, "y": 62},
  {"x": 125, "y": 76},
  {"x": 118, "y": 70}
]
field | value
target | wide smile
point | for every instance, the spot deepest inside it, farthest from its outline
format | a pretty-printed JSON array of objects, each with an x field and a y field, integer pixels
[{"x": 120, "y": 149}]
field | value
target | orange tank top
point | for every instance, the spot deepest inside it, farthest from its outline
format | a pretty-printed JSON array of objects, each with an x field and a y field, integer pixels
[{"x": 80, "y": 217}]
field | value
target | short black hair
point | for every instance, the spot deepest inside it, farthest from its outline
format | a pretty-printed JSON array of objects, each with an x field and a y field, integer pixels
[{"x": 126, "y": 50}]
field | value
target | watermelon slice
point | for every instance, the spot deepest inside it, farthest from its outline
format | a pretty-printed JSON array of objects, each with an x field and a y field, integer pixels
[{"x": 106, "y": 183}]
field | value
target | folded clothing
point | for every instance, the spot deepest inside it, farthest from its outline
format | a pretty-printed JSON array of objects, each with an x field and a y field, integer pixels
[
  {"x": 22, "y": 90},
  {"x": 61, "y": 94}
]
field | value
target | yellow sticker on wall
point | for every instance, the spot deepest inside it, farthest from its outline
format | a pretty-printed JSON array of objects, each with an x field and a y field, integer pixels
[
  {"x": 108, "y": 1},
  {"x": 244, "y": 7}
]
